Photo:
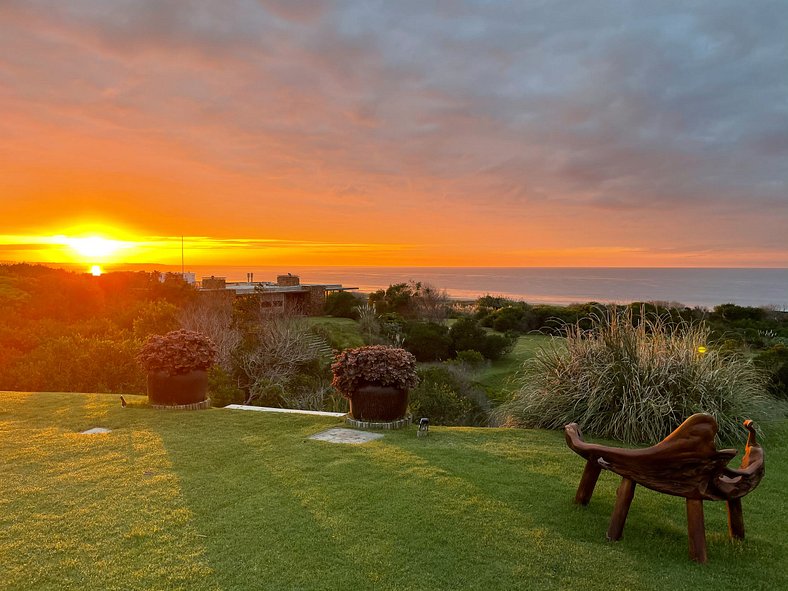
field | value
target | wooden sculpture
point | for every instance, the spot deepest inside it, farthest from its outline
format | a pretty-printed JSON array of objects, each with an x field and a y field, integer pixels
[{"x": 685, "y": 464}]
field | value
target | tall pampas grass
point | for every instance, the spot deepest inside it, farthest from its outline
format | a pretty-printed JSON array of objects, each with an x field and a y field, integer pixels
[{"x": 635, "y": 380}]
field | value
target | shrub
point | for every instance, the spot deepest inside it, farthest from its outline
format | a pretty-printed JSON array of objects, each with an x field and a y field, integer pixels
[
  {"x": 177, "y": 352},
  {"x": 342, "y": 304},
  {"x": 732, "y": 312},
  {"x": 427, "y": 341},
  {"x": 392, "y": 328},
  {"x": 495, "y": 346},
  {"x": 279, "y": 348},
  {"x": 775, "y": 362},
  {"x": 510, "y": 318},
  {"x": 313, "y": 391},
  {"x": 375, "y": 364},
  {"x": 223, "y": 388},
  {"x": 368, "y": 321},
  {"x": 467, "y": 334},
  {"x": 446, "y": 398},
  {"x": 78, "y": 364},
  {"x": 156, "y": 317},
  {"x": 471, "y": 358},
  {"x": 634, "y": 383}
]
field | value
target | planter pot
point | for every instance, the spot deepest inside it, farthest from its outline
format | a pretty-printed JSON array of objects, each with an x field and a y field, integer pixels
[
  {"x": 378, "y": 403},
  {"x": 177, "y": 390}
]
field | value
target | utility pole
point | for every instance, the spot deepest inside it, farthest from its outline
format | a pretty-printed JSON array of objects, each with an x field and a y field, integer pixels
[{"x": 183, "y": 266}]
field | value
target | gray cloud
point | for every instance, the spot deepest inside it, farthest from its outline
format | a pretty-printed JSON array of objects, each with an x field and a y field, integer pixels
[{"x": 609, "y": 105}]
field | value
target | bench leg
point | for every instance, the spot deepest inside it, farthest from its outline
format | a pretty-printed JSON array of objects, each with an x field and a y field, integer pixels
[
  {"x": 735, "y": 519},
  {"x": 588, "y": 482},
  {"x": 696, "y": 530},
  {"x": 624, "y": 495}
]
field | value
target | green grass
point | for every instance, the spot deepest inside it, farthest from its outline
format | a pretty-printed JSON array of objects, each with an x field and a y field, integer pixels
[
  {"x": 342, "y": 333},
  {"x": 221, "y": 499},
  {"x": 497, "y": 378}
]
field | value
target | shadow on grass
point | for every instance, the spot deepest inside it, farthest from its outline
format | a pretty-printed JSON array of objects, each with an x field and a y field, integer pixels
[
  {"x": 216, "y": 499},
  {"x": 535, "y": 470},
  {"x": 312, "y": 515}
]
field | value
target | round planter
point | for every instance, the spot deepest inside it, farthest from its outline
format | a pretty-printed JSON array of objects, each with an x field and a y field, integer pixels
[
  {"x": 378, "y": 403},
  {"x": 177, "y": 390}
]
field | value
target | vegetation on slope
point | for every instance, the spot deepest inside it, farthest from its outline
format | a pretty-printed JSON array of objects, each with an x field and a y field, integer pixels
[{"x": 636, "y": 380}]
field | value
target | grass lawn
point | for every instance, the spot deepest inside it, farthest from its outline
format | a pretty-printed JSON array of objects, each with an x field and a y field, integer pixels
[
  {"x": 222, "y": 499},
  {"x": 343, "y": 332},
  {"x": 497, "y": 377}
]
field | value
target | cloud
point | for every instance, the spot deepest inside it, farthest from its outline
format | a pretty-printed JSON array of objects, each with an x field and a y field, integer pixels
[{"x": 570, "y": 113}]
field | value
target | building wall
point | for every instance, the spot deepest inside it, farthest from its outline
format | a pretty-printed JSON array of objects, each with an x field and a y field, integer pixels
[
  {"x": 317, "y": 299},
  {"x": 214, "y": 282},
  {"x": 288, "y": 280}
]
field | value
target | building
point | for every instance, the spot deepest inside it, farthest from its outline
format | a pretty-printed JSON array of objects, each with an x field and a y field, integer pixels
[{"x": 288, "y": 294}]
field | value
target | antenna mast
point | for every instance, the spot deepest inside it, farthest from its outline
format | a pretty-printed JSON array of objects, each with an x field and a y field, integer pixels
[{"x": 183, "y": 267}]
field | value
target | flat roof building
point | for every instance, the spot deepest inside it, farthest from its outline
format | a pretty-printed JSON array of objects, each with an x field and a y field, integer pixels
[{"x": 287, "y": 294}]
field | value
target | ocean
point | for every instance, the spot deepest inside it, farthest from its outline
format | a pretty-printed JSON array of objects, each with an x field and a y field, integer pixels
[{"x": 692, "y": 287}]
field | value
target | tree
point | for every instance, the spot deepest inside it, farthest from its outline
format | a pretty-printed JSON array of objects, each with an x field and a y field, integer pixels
[
  {"x": 427, "y": 341},
  {"x": 466, "y": 334},
  {"x": 414, "y": 300},
  {"x": 431, "y": 303},
  {"x": 156, "y": 317},
  {"x": 213, "y": 316},
  {"x": 273, "y": 355},
  {"x": 399, "y": 298},
  {"x": 342, "y": 304}
]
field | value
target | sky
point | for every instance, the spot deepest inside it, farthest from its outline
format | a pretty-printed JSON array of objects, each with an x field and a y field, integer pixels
[{"x": 447, "y": 133}]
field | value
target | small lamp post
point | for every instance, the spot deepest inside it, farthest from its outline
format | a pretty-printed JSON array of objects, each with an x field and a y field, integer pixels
[{"x": 424, "y": 427}]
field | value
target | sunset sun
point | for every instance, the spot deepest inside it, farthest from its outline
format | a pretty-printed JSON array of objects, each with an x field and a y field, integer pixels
[{"x": 93, "y": 248}]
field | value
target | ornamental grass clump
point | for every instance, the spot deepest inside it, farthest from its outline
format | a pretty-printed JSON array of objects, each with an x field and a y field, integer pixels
[
  {"x": 177, "y": 352},
  {"x": 635, "y": 381},
  {"x": 376, "y": 365}
]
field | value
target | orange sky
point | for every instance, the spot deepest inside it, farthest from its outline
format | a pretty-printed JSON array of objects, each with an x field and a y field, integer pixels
[{"x": 269, "y": 134}]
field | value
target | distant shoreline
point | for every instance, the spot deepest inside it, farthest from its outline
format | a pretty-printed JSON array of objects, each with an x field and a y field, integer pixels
[
  {"x": 694, "y": 287},
  {"x": 691, "y": 286}
]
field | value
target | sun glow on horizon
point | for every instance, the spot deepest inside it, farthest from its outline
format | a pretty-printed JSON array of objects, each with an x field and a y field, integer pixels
[
  {"x": 113, "y": 244},
  {"x": 93, "y": 247}
]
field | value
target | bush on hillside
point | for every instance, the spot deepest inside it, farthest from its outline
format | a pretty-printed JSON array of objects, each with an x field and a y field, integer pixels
[
  {"x": 496, "y": 346},
  {"x": 223, "y": 388},
  {"x": 635, "y": 383},
  {"x": 342, "y": 304},
  {"x": 466, "y": 333},
  {"x": 510, "y": 318},
  {"x": 470, "y": 358},
  {"x": 75, "y": 363},
  {"x": 427, "y": 341},
  {"x": 392, "y": 328},
  {"x": 775, "y": 362},
  {"x": 447, "y": 398}
]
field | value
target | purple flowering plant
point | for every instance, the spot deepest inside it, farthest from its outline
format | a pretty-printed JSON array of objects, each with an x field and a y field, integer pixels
[
  {"x": 377, "y": 365},
  {"x": 177, "y": 352}
]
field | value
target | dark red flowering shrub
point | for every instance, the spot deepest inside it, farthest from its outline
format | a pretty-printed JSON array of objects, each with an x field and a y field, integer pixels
[
  {"x": 376, "y": 364},
  {"x": 177, "y": 352}
]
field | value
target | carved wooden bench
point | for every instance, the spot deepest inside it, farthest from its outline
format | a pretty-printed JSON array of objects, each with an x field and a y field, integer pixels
[{"x": 685, "y": 464}]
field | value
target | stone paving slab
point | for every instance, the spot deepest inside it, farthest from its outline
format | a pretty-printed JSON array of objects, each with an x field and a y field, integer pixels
[
  {"x": 96, "y": 430},
  {"x": 294, "y": 411},
  {"x": 339, "y": 435}
]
